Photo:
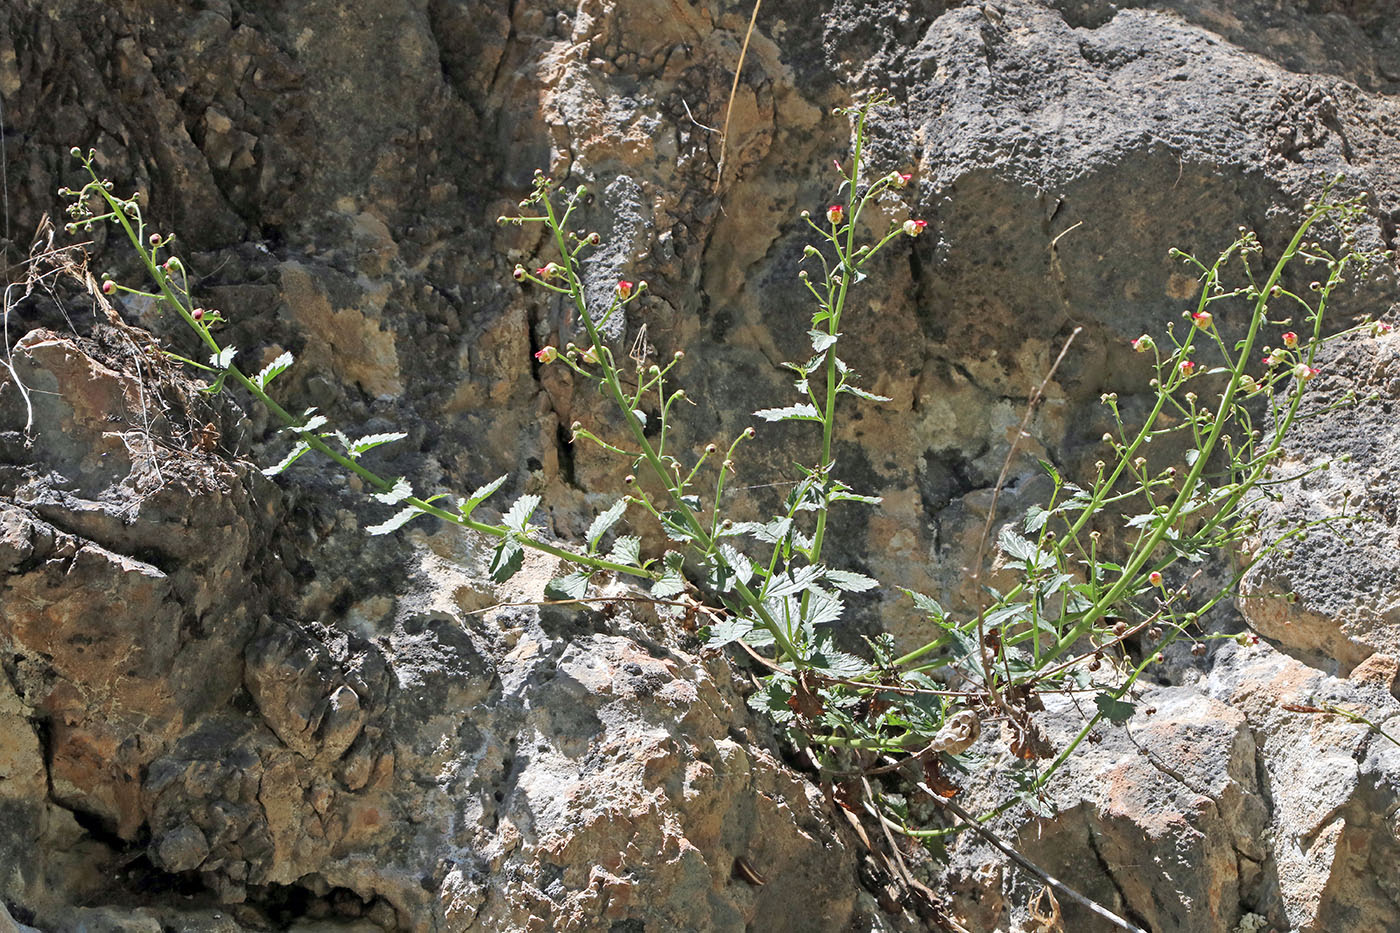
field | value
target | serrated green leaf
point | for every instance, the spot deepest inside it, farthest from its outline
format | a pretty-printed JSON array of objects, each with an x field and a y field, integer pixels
[
  {"x": 1015, "y": 546},
  {"x": 671, "y": 584},
  {"x": 839, "y": 663},
  {"x": 998, "y": 616},
  {"x": 1021, "y": 551},
  {"x": 394, "y": 523},
  {"x": 1138, "y": 521},
  {"x": 759, "y": 638},
  {"x": 926, "y": 604},
  {"x": 371, "y": 441},
  {"x": 480, "y": 496},
  {"x": 772, "y": 701},
  {"x": 821, "y": 342},
  {"x": 272, "y": 370},
  {"x": 627, "y": 550},
  {"x": 858, "y": 392},
  {"x": 727, "y": 569},
  {"x": 823, "y": 608},
  {"x": 400, "y": 491},
  {"x": 519, "y": 515},
  {"x": 570, "y": 586},
  {"x": 803, "y": 412},
  {"x": 299, "y": 448},
  {"x": 673, "y": 522},
  {"x": 738, "y": 560},
  {"x": 1036, "y": 518},
  {"x": 302, "y": 423},
  {"x": 224, "y": 358},
  {"x": 1115, "y": 711},
  {"x": 786, "y": 584},
  {"x": 730, "y": 630},
  {"x": 506, "y": 560},
  {"x": 841, "y": 495},
  {"x": 739, "y": 528},
  {"x": 850, "y": 581},
  {"x": 603, "y": 522}
]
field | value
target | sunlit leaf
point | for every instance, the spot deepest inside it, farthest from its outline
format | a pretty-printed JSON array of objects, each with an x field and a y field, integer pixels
[
  {"x": 926, "y": 604},
  {"x": 803, "y": 412},
  {"x": 785, "y": 584},
  {"x": 627, "y": 550},
  {"x": 823, "y": 608},
  {"x": 520, "y": 512},
  {"x": 1035, "y": 519},
  {"x": 858, "y": 392},
  {"x": 400, "y": 491},
  {"x": 839, "y": 663},
  {"x": 730, "y": 630},
  {"x": 299, "y": 448},
  {"x": 570, "y": 586},
  {"x": 671, "y": 584},
  {"x": 371, "y": 441},
  {"x": 271, "y": 371},
  {"x": 395, "y": 523},
  {"x": 481, "y": 495},
  {"x": 603, "y": 522},
  {"x": 849, "y": 581}
]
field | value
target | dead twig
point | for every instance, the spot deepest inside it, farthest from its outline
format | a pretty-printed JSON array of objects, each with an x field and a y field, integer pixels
[
  {"x": 1025, "y": 863},
  {"x": 987, "y": 674},
  {"x": 734, "y": 90}
]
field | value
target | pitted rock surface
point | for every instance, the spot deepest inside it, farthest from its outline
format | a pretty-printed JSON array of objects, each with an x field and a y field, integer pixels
[{"x": 225, "y": 707}]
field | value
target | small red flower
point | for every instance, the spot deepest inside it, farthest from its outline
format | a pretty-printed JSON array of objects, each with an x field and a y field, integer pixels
[
  {"x": 1155, "y": 578},
  {"x": 547, "y": 354},
  {"x": 900, "y": 179},
  {"x": 1202, "y": 319},
  {"x": 915, "y": 227},
  {"x": 1290, "y": 340},
  {"x": 1187, "y": 367},
  {"x": 834, "y": 213},
  {"x": 108, "y": 287},
  {"x": 624, "y": 289},
  {"x": 197, "y": 314},
  {"x": 1143, "y": 344}
]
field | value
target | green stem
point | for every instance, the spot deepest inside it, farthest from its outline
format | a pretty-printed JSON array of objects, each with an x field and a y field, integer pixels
[
  {"x": 1127, "y": 579},
  {"x": 614, "y": 389},
  {"x": 315, "y": 443}
]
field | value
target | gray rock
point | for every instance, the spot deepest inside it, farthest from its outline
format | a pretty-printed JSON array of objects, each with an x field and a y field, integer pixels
[{"x": 195, "y": 653}]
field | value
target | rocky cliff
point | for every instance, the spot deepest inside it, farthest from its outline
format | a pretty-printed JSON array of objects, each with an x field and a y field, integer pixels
[{"x": 226, "y": 708}]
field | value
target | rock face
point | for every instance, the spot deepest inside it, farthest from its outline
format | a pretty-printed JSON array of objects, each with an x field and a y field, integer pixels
[{"x": 224, "y": 706}]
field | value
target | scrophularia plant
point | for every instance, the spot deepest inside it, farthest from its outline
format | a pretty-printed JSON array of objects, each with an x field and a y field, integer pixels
[{"x": 1081, "y": 616}]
